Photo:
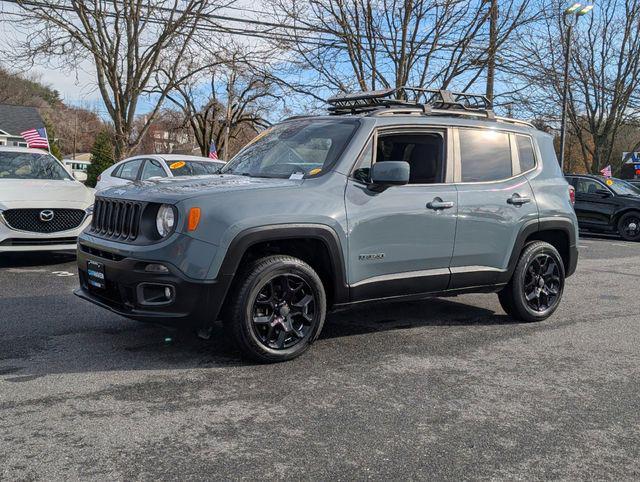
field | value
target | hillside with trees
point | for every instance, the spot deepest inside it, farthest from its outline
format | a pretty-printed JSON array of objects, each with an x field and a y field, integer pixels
[{"x": 73, "y": 129}]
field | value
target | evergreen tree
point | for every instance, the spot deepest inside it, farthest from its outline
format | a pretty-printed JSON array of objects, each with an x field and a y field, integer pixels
[{"x": 101, "y": 157}]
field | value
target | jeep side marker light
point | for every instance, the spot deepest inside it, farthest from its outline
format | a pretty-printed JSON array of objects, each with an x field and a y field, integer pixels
[{"x": 194, "y": 219}]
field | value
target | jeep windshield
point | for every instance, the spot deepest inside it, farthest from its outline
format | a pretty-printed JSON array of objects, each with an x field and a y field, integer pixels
[
  {"x": 28, "y": 165},
  {"x": 294, "y": 149}
]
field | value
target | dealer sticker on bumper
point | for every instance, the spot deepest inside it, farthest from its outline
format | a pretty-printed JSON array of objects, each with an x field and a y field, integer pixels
[{"x": 95, "y": 273}]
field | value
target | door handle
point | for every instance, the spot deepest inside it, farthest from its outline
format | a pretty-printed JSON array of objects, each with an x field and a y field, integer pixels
[
  {"x": 438, "y": 203},
  {"x": 518, "y": 200}
]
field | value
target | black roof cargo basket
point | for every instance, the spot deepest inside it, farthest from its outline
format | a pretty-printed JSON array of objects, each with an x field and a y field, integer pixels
[{"x": 375, "y": 102}]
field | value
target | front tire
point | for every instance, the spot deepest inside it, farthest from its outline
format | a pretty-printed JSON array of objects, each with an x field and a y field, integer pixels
[
  {"x": 278, "y": 310},
  {"x": 629, "y": 226},
  {"x": 535, "y": 289}
]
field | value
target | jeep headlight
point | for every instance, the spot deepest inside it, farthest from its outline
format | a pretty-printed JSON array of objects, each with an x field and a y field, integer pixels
[{"x": 165, "y": 220}]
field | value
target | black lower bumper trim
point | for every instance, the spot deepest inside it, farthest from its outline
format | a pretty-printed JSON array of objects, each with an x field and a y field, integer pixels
[{"x": 193, "y": 303}]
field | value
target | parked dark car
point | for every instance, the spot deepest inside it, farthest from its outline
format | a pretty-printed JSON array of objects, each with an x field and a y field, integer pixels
[{"x": 607, "y": 205}]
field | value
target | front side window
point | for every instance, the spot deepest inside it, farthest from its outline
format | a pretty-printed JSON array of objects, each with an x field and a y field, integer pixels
[
  {"x": 424, "y": 152},
  {"x": 588, "y": 186},
  {"x": 295, "y": 148},
  {"x": 485, "y": 155},
  {"x": 26, "y": 165},
  {"x": 193, "y": 168},
  {"x": 129, "y": 170}
]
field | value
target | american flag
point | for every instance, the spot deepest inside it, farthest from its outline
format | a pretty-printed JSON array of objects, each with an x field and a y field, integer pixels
[
  {"x": 606, "y": 172},
  {"x": 36, "y": 138},
  {"x": 213, "y": 154}
]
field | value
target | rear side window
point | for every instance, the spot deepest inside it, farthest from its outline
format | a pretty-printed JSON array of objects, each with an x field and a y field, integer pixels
[
  {"x": 485, "y": 155},
  {"x": 525, "y": 153},
  {"x": 128, "y": 170}
]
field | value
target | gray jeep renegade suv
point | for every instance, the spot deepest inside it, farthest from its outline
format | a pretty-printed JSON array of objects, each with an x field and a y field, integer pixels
[{"x": 382, "y": 199}]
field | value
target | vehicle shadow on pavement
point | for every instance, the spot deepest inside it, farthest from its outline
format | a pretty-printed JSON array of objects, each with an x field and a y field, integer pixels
[
  {"x": 104, "y": 343},
  {"x": 388, "y": 316},
  {"x": 27, "y": 260}
]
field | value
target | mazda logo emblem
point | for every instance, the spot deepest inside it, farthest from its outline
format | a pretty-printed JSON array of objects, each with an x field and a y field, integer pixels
[{"x": 46, "y": 215}]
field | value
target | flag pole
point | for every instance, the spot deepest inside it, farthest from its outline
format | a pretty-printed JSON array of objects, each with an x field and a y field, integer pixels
[{"x": 46, "y": 134}]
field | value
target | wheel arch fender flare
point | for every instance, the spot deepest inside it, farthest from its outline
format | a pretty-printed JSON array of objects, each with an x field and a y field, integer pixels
[
  {"x": 564, "y": 225},
  {"x": 627, "y": 209},
  {"x": 244, "y": 240}
]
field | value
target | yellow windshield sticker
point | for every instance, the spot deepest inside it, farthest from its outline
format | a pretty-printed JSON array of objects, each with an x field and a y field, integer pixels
[
  {"x": 177, "y": 165},
  {"x": 315, "y": 171},
  {"x": 609, "y": 182}
]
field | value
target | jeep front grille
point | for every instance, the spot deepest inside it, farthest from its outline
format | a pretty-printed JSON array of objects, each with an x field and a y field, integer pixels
[
  {"x": 116, "y": 218},
  {"x": 43, "y": 220}
]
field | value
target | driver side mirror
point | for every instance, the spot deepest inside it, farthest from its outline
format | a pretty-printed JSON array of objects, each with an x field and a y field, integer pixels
[
  {"x": 390, "y": 173},
  {"x": 603, "y": 193}
]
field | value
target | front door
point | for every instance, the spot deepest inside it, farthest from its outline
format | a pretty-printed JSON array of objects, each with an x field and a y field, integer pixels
[
  {"x": 594, "y": 203},
  {"x": 495, "y": 201},
  {"x": 401, "y": 239}
]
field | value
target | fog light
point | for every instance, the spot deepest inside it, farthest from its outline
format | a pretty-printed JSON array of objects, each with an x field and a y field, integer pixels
[
  {"x": 156, "y": 268},
  {"x": 155, "y": 294}
]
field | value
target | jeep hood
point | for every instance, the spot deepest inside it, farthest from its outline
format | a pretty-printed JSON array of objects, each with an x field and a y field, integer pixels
[{"x": 179, "y": 188}]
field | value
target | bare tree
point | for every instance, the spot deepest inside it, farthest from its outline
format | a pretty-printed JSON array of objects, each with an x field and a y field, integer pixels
[
  {"x": 128, "y": 41},
  {"x": 367, "y": 44},
  {"x": 604, "y": 92},
  {"x": 220, "y": 102}
]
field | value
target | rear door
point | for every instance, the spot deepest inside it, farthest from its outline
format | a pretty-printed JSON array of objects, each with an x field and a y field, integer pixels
[
  {"x": 495, "y": 201},
  {"x": 400, "y": 241}
]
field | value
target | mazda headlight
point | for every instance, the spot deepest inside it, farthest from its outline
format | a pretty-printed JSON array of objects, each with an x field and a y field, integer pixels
[{"x": 165, "y": 220}]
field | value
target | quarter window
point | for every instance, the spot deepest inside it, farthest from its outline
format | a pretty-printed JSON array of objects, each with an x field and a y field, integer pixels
[
  {"x": 525, "y": 153},
  {"x": 152, "y": 168},
  {"x": 485, "y": 155}
]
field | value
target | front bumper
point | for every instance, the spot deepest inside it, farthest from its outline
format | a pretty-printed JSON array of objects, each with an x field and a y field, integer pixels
[{"x": 195, "y": 303}]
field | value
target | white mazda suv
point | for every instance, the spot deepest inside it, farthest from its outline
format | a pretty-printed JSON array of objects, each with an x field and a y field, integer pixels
[{"x": 42, "y": 208}]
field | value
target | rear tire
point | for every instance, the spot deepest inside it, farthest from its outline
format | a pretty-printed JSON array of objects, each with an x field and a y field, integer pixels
[
  {"x": 277, "y": 310},
  {"x": 535, "y": 289},
  {"x": 629, "y": 226}
]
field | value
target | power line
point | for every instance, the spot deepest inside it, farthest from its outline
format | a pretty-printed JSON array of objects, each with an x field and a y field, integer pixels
[{"x": 267, "y": 34}]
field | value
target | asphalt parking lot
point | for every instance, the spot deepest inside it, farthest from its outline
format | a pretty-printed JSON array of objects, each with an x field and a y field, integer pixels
[{"x": 440, "y": 389}]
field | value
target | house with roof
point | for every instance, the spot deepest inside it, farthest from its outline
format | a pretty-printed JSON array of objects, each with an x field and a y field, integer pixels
[{"x": 15, "y": 119}]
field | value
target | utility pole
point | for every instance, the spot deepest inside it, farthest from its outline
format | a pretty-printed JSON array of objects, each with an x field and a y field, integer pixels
[
  {"x": 75, "y": 133},
  {"x": 570, "y": 19},
  {"x": 491, "y": 52}
]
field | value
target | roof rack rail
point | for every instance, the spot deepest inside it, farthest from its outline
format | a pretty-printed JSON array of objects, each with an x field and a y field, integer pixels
[{"x": 425, "y": 99}]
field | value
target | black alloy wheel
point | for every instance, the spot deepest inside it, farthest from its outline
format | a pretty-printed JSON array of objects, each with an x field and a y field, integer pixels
[
  {"x": 536, "y": 286},
  {"x": 542, "y": 283},
  {"x": 277, "y": 308},
  {"x": 629, "y": 226},
  {"x": 283, "y": 311}
]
